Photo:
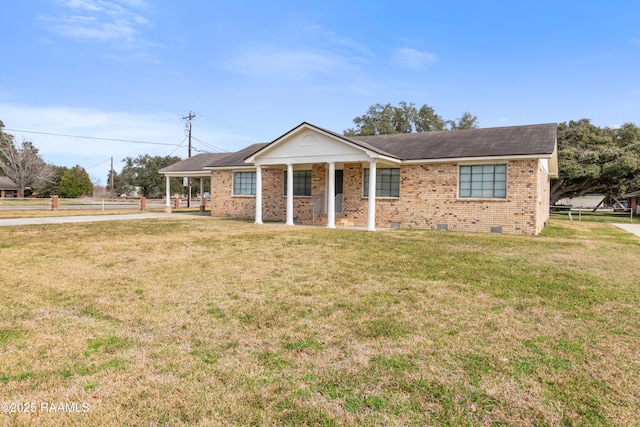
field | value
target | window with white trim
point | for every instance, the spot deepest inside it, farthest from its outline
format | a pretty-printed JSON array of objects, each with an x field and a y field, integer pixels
[
  {"x": 483, "y": 181},
  {"x": 244, "y": 183},
  {"x": 387, "y": 182},
  {"x": 301, "y": 183}
]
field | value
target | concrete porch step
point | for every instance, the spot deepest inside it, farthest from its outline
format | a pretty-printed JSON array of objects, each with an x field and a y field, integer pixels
[{"x": 341, "y": 220}]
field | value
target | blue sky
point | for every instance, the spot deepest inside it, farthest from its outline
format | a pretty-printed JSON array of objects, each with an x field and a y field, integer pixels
[{"x": 252, "y": 70}]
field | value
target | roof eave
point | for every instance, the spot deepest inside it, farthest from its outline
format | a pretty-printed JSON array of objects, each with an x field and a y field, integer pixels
[
  {"x": 180, "y": 174},
  {"x": 234, "y": 167},
  {"x": 479, "y": 158}
]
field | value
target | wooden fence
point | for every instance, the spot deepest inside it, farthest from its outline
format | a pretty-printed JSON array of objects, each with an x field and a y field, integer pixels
[{"x": 88, "y": 203}]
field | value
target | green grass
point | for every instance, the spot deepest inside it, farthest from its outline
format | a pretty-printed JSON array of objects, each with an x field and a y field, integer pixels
[{"x": 200, "y": 321}]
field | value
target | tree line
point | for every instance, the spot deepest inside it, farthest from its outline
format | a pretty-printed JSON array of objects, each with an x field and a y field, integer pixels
[{"x": 591, "y": 159}]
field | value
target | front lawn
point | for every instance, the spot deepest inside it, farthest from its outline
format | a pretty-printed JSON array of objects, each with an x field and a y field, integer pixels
[{"x": 201, "y": 321}]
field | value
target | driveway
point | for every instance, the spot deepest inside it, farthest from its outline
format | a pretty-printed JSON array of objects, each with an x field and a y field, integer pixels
[
  {"x": 85, "y": 218},
  {"x": 631, "y": 228}
]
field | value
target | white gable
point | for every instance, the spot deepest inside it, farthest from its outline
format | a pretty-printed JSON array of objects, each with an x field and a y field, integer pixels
[{"x": 307, "y": 145}]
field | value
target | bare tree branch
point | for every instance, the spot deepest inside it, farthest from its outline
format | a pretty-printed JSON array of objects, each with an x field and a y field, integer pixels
[{"x": 21, "y": 163}]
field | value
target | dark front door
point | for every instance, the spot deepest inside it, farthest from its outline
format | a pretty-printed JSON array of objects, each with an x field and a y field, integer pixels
[{"x": 338, "y": 193}]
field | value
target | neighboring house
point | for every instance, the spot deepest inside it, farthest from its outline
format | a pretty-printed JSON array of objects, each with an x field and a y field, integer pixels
[
  {"x": 8, "y": 188},
  {"x": 479, "y": 180},
  {"x": 633, "y": 202}
]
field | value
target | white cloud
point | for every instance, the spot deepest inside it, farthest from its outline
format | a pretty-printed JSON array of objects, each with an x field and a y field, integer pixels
[
  {"x": 345, "y": 44},
  {"x": 296, "y": 64},
  {"x": 412, "y": 58},
  {"x": 99, "y": 21},
  {"x": 86, "y": 28}
]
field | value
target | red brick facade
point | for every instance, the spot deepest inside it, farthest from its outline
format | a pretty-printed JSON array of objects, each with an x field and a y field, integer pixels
[{"x": 428, "y": 199}]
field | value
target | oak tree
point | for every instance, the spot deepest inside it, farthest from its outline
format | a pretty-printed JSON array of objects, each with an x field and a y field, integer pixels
[
  {"x": 406, "y": 118},
  {"x": 596, "y": 160}
]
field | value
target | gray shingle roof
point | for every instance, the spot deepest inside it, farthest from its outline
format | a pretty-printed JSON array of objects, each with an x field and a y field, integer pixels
[
  {"x": 487, "y": 142},
  {"x": 7, "y": 184},
  {"x": 199, "y": 162},
  {"x": 193, "y": 164},
  {"x": 237, "y": 158}
]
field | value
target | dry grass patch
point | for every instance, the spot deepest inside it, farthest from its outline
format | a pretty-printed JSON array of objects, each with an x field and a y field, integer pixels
[
  {"x": 44, "y": 213},
  {"x": 210, "y": 322}
]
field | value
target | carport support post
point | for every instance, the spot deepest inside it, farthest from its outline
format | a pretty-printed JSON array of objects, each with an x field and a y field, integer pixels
[
  {"x": 201, "y": 194},
  {"x": 167, "y": 206}
]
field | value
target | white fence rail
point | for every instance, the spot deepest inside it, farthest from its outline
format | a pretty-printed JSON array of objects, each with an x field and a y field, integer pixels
[
  {"x": 94, "y": 203},
  {"x": 577, "y": 214}
]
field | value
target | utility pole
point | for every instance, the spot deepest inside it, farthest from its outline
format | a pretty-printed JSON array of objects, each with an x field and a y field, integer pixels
[{"x": 189, "y": 117}]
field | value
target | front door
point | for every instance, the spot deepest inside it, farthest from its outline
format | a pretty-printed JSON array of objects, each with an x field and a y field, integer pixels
[{"x": 338, "y": 193}]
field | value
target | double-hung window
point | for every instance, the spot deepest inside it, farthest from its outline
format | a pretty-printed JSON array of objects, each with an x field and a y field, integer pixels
[
  {"x": 301, "y": 183},
  {"x": 483, "y": 181},
  {"x": 387, "y": 182},
  {"x": 244, "y": 183}
]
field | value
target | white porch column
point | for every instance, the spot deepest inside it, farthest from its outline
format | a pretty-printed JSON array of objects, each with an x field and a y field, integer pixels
[
  {"x": 258, "y": 195},
  {"x": 201, "y": 194},
  {"x": 167, "y": 205},
  {"x": 331, "y": 198},
  {"x": 289, "y": 195},
  {"x": 371, "y": 217}
]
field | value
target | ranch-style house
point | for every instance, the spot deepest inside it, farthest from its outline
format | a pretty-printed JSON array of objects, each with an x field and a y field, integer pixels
[
  {"x": 477, "y": 180},
  {"x": 8, "y": 188}
]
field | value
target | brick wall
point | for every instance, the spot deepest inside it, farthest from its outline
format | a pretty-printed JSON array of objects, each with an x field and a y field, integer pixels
[
  {"x": 428, "y": 198},
  {"x": 274, "y": 203}
]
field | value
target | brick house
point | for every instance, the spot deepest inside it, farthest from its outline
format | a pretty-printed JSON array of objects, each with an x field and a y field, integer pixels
[
  {"x": 479, "y": 180},
  {"x": 633, "y": 202},
  {"x": 8, "y": 188}
]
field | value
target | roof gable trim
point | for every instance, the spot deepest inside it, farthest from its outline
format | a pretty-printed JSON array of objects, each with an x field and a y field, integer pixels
[{"x": 369, "y": 151}]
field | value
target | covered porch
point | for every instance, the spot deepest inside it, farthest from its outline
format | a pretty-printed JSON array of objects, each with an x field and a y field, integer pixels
[{"x": 313, "y": 162}]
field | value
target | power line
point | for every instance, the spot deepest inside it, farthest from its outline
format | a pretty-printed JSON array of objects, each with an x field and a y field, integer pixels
[
  {"x": 98, "y": 164},
  {"x": 210, "y": 146},
  {"x": 90, "y": 137},
  {"x": 176, "y": 149}
]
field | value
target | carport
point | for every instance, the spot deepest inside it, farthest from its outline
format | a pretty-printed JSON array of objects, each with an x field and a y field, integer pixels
[{"x": 192, "y": 167}]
